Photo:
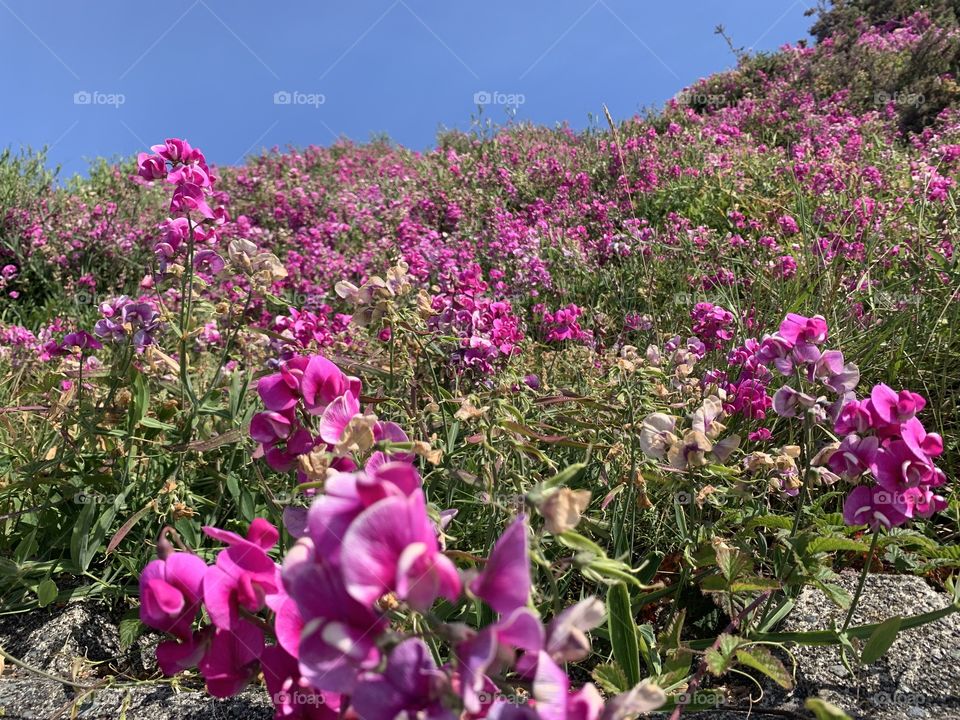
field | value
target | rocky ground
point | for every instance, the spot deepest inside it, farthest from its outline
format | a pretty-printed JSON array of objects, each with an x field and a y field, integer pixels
[{"x": 919, "y": 678}]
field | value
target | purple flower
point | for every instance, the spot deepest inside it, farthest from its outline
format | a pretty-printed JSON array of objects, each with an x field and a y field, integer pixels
[{"x": 411, "y": 686}]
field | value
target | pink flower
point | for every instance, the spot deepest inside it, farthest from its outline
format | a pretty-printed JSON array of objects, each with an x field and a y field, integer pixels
[
  {"x": 173, "y": 149},
  {"x": 189, "y": 197},
  {"x": 230, "y": 661},
  {"x": 797, "y": 328},
  {"x": 854, "y": 457},
  {"x": 243, "y": 575},
  {"x": 281, "y": 439},
  {"x": 392, "y": 547},
  {"x": 504, "y": 583},
  {"x": 170, "y": 592},
  {"x": 151, "y": 167},
  {"x": 872, "y": 506},
  {"x": 339, "y": 635},
  {"x": 291, "y": 695},
  {"x": 891, "y": 408},
  {"x": 854, "y": 417}
]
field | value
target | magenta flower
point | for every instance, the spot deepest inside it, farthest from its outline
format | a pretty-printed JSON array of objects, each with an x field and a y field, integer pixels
[
  {"x": 281, "y": 439},
  {"x": 337, "y": 416},
  {"x": 854, "y": 417},
  {"x": 921, "y": 443},
  {"x": 873, "y": 506},
  {"x": 313, "y": 379},
  {"x": 340, "y": 633},
  {"x": 189, "y": 197},
  {"x": 291, "y": 695},
  {"x": 898, "y": 467},
  {"x": 346, "y": 495},
  {"x": 891, "y": 408},
  {"x": 230, "y": 661},
  {"x": 392, "y": 547},
  {"x": 170, "y": 593},
  {"x": 854, "y": 457},
  {"x": 411, "y": 686},
  {"x": 174, "y": 657},
  {"x": 243, "y": 575},
  {"x": 82, "y": 340},
  {"x": 504, "y": 583},
  {"x": 174, "y": 149},
  {"x": 797, "y": 329},
  {"x": 551, "y": 689},
  {"x": 151, "y": 167}
]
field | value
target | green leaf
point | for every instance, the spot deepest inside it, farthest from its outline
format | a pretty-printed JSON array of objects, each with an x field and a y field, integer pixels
[
  {"x": 140, "y": 401},
  {"x": 774, "y": 522},
  {"x": 623, "y": 632},
  {"x": 835, "y": 544},
  {"x": 47, "y": 592},
  {"x": 610, "y": 678},
  {"x": 576, "y": 541},
  {"x": 760, "y": 658},
  {"x": 824, "y": 710},
  {"x": 130, "y": 629},
  {"x": 155, "y": 424},
  {"x": 881, "y": 640},
  {"x": 720, "y": 659},
  {"x": 80, "y": 536},
  {"x": 754, "y": 584},
  {"x": 731, "y": 561}
]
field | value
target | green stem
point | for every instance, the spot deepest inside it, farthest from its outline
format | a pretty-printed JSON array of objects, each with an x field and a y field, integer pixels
[{"x": 863, "y": 580}]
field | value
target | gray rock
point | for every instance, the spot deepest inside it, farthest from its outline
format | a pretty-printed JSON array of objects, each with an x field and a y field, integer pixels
[
  {"x": 81, "y": 643},
  {"x": 919, "y": 677}
]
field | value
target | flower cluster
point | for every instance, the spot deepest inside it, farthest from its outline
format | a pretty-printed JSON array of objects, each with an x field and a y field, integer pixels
[
  {"x": 712, "y": 324},
  {"x": 562, "y": 324},
  {"x": 186, "y": 169},
  {"x": 887, "y": 450},
  {"x": 319, "y": 626},
  {"x": 124, "y": 319}
]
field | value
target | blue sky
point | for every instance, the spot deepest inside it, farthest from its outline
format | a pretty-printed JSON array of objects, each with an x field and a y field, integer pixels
[{"x": 110, "y": 77}]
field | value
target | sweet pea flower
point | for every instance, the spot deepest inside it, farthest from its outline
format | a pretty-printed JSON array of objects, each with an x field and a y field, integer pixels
[
  {"x": 551, "y": 689},
  {"x": 873, "y": 506},
  {"x": 347, "y": 494},
  {"x": 854, "y": 417},
  {"x": 291, "y": 695},
  {"x": 339, "y": 635},
  {"x": 411, "y": 686},
  {"x": 174, "y": 657},
  {"x": 281, "y": 439},
  {"x": 799, "y": 329},
  {"x": 189, "y": 197},
  {"x": 313, "y": 379},
  {"x": 504, "y": 583},
  {"x": 897, "y": 467},
  {"x": 151, "y": 167},
  {"x": 891, "y": 408},
  {"x": 82, "y": 340},
  {"x": 170, "y": 593},
  {"x": 922, "y": 444},
  {"x": 243, "y": 575},
  {"x": 392, "y": 547},
  {"x": 230, "y": 661},
  {"x": 854, "y": 457},
  {"x": 173, "y": 149}
]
